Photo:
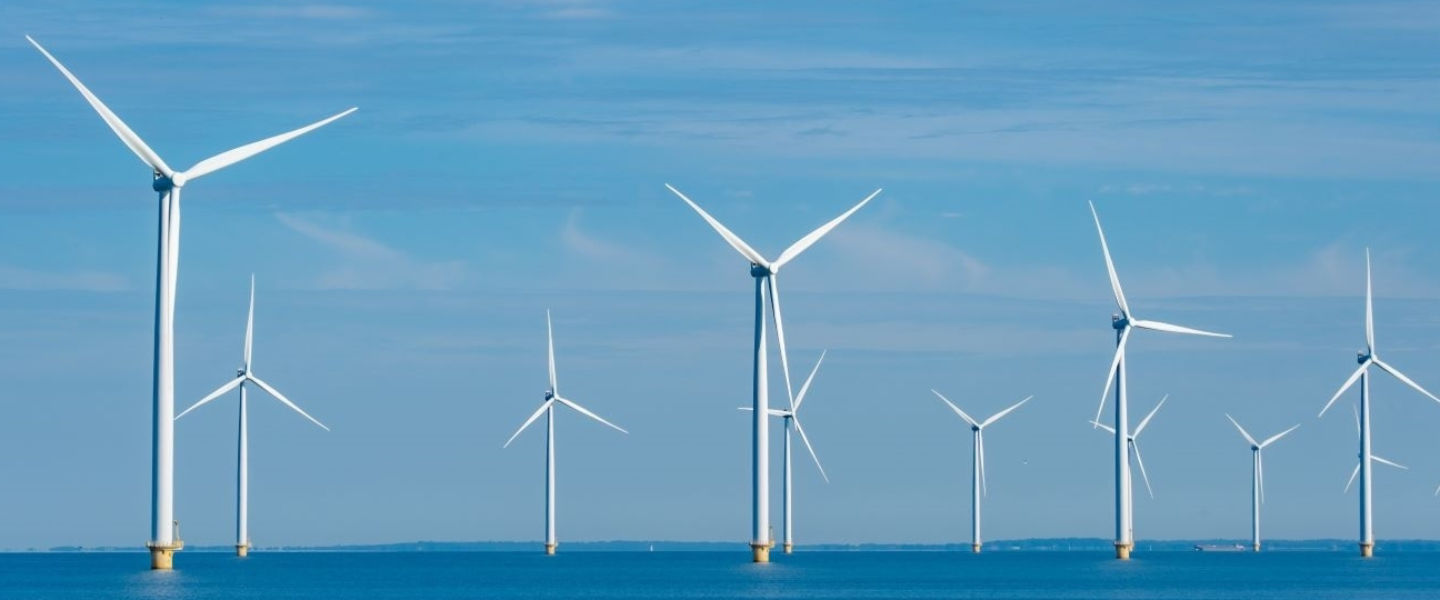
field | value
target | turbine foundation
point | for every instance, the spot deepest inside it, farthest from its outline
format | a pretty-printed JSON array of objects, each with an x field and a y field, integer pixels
[
  {"x": 1367, "y": 549},
  {"x": 1122, "y": 550},
  {"x": 1255, "y": 547},
  {"x": 162, "y": 556},
  {"x": 789, "y": 548},
  {"x": 550, "y": 549},
  {"x": 242, "y": 550},
  {"x": 975, "y": 548},
  {"x": 760, "y": 552}
]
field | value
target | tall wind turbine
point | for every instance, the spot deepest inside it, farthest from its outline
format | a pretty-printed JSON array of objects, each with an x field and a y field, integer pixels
[
  {"x": 168, "y": 182},
  {"x": 793, "y": 421},
  {"x": 242, "y": 466},
  {"x": 547, "y": 408},
  {"x": 1368, "y": 358},
  {"x": 1257, "y": 477},
  {"x": 1123, "y": 322},
  {"x": 977, "y": 469},
  {"x": 766, "y": 273},
  {"x": 1131, "y": 441}
]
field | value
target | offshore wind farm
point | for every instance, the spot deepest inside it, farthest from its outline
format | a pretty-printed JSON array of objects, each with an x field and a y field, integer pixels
[{"x": 517, "y": 157}]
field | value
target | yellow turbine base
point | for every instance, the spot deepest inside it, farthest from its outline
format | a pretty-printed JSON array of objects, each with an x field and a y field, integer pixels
[
  {"x": 550, "y": 549},
  {"x": 789, "y": 548},
  {"x": 760, "y": 553},
  {"x": 1255, "y": 547},
  {"x": 1122, "y": 550},
  {"x": 242, "y": 550},
  {"x": 1367, "y": 549},
  {"x": 162, "y": 556},
  {"x": 975, "y": 548}
]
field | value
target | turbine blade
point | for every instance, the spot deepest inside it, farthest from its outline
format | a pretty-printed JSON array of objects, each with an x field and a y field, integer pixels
[
  {"x": 1353, "y": 474},
  {"x": 1406, "y": 380},
  {"x": 1356, "y": 411},
  {"x": 1141, "y": 461},
  {"x": 805, "y": 242},
  {"x": 540, "y": 411},
  {"x": 1171, "y": 328},
  {"x": 734, "y": 240},
  {"x": 984, "y": 481},
  {"x": 1346, "y": 386},
  {"x": 230, "y": 157},
  {"x": 1369, "y": 308},
  {"x": 1242, "y": 431},
  {"x": 997, "y": 416},
  {"x": 220, "y": 391},
  {"x": 806, "y": 439},
  {"x": 1114, "y": 368},
  {"x": 250, "y": 323},
  {"x": 582, "y": 410},
  {"x": 126, "y": 135},
  {"x": 774, "y": 284},
  {"x": 1100, "y": 425},
  {"x": 957, "y": 410},
  {"x": 1273, "y": 438},
  {"x": 1146, "y": 420},
  {"x": 805, "y": 387},
  {"x": 1260, "y": 466},
  {"x": 1388, "y": 462},
  {"x": 1110, "y": 265},
  {"x": 550, "y": 339},
  {"x": 281, "y": 397}
]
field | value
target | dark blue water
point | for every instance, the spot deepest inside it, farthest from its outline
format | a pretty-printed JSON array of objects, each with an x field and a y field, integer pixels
[{"x": 1171, "y": 575}]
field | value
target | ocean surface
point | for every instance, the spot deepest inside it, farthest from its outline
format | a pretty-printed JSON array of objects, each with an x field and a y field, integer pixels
[{"x": 443, "y": 575}]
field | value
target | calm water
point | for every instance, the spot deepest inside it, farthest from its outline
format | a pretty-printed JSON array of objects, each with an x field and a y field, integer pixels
[{"x": 1177, "y": 575}]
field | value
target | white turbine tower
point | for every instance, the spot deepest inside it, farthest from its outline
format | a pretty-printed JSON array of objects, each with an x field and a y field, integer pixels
[
  {"x": 1373, "y": 457},
  {"x": 168, "y": 182},
  {"x": 1367, "y": 358},
  {"x": 242, "y": 468},
  {"x": 978, "y": 484},
  {"x": 547, "y": 408},
  {"x": 1123, "y": 323},
  {"x": 792, "y": 420},
  {"x": 766, "y": 273},
  {"x": 1257, "y": 477},
  {"x": 1133, "y": 445}
]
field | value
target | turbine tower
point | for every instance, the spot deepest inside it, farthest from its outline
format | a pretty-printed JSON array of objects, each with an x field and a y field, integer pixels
[
  {"x": 766, "y": 273},
  {"x": 1368, "y": 358},
  {"x": 547, "y": 408},
  {"x": 1257, "y": 477},
  {"x": 1373, "y": 457},
  {"x": 793, "y": 421},
  {"x": 1123, "y": 322},
  {"x": 167, "y": 183},
  {"x": 978, "y": 485},
  {"x": 242, "y": 467}
]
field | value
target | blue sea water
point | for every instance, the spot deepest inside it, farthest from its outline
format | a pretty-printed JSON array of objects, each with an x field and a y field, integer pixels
[{"x": 678, "y": 575}]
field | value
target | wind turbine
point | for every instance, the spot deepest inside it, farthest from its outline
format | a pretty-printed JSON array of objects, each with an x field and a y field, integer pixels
[
  {"x": 1367, "y": 358},
  {"x": 792, "y": 420},
  {"x": 547, "y": 408},
  {"x": 1123, "y": 322},
  {"x": 242, "y": 467},
  {"x": 167, "y": 182},
  {"x": 1134, "y": 447},
  {"x": 1257, "y": 483},
  {"x": 1374, "y": 457},
  {"x": 977, "y": 469},
  {"x": 766, "y": 273}
]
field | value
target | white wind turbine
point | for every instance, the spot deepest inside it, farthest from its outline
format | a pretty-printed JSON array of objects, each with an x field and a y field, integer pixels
[
  {"x": 167, "y": 182},
  {"x": 547, "y": 408},
  {"x": 1131, "y": 441},
  {"x": 978, "y": 484},
  {"x": 792, "y": 420},
  {"x": 1123, "y": 322},
  {"x": 242, "y": 468},
  {"x": 1257, "y": 477},
  {"x": 766, "y": 273},
  {"x": 1367, "y": 358}
]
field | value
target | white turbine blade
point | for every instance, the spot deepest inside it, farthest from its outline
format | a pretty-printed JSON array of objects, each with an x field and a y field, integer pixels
[
  {"x": 1100, "y": 425},
  {"x": 281, "y": 397},
  {"x": 127, "y": 136},
  {"x": 1353, "y": 474},
  {"x": 734, "y": 240},
  {"x": 997, "y": 416},
  {"x": 1110, "y": 265},
  {"x": 1389, "y": 462},
  {"x": 805, "y": 387},
  {"x": 543, "y": 406},
  {"x": 1171, "y": 328},
  {"x": 250, "y": 323},
  {"x": 582, "y": 410},
  {"x": 984, "y": 483},
  {"x": 774, "y": 284},
  {"x": 1369, "y": 308},
  {"x": 1346, "y": 386},
  {"x": 1242, "y": 431},
  {"x": 1437, "y": 491},
  {"x": 1114, "y": 368},
  {"x": 1141, "y": 461},
  {"x": 1146, "y": 420},
  {"x": 801, "y": 430},
  {"x": 957, "y": 410},
  {"x": 1273, "y": 438},
  {"x": 1401, "y": 376},
  {"x": 213, "y": 395},
  {"x": 230, "y": 157},
  {"x": 1260, "y": 468},
  {"x": 1356, "y": 411},
  {"x": 550, "y": 339},
  {"x": 805, "y": 242},
  {"x": 774, "y": 412}
]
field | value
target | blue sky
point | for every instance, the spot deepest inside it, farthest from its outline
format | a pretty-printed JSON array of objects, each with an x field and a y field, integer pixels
[{"x": 509, "y": 156}]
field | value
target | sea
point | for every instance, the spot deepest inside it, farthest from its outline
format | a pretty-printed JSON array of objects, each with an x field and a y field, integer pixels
[{"x": 711, "y": 575}]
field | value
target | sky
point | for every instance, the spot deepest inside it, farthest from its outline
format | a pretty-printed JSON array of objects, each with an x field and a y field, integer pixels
[{"x": 509, "y": 156}]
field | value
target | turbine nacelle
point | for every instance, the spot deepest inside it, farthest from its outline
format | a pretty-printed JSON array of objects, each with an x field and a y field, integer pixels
[
  {"x": 759, "y": 270},
  {"x": 1119, "y": 321},
  {"x": 1362, "y": 356},
  {"x": 549, "y": 395}
]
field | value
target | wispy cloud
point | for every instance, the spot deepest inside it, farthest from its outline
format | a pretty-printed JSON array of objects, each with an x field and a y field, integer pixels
[
  {"x": 295, "y": 11},
  {"x": 22, "y": 278},
  {"x": 368, "y": 264}
]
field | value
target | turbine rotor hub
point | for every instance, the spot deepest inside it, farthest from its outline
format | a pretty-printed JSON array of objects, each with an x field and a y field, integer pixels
[{"x": 549, "y": 394}]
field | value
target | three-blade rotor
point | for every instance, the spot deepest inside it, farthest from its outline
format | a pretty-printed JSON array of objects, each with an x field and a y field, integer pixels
[
  {"x": 1258, "y": 448},
  {"x": 1134, "y": 444},
  {"x": 979, "y": 428},
  {"x": 552, "y": 395}
]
